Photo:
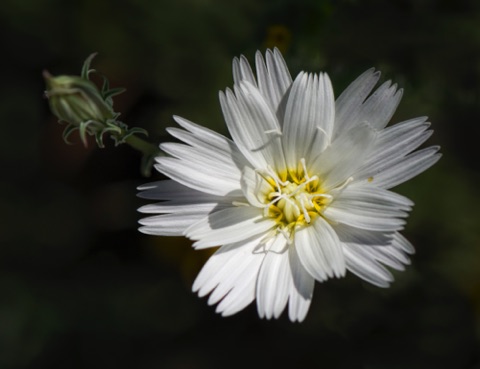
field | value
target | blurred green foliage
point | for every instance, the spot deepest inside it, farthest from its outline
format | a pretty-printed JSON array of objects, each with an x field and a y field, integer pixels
[{"x": 81, "y": 288}]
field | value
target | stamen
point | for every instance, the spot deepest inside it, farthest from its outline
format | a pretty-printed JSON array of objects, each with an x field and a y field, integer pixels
[
  {"x": 326, "y": 195},
  {"x": 239, "y": 203},
  {"x": 344, "y": 184},
  {"x": 293, "y": 203},
  {"x": 276, "y": 199},
  {"x": 304, "y": 209},
  {"x": 277, "y": 131},
  {"x": 288, "y": 236},
  {"x": 270, "y": 173},
  {"x": 301, "y": 187},
  {"x": 304, "y": 166},
  {"x": 322, "y": 130},
  {"x": 326, "y": 141}
]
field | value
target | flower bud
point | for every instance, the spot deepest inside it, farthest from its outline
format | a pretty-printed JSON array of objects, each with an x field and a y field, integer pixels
[
  {"x": 87, "y": 109},
  {"x": 76, "y": 100}
]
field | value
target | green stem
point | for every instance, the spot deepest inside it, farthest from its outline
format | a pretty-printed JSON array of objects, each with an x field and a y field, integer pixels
[
  {"x": 148, "y": 150},
  {"x": 141, "y": 145}
]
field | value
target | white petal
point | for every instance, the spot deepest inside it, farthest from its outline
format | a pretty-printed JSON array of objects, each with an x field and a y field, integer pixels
[
  {"x": 182, "y": 206},
  {"x": 374, "y": 245},
  {"x": 210, "y": 153},
  {"x": 392, "y": 144},
  {"x": 169, "y": 189},
  {"x": 274, "y": 280},
  {"x": 241, "y": 277},
  {"x": 390, "y": 256},
  {"x": 171, "y": 224},
  {"x": 309, "y": 117},
  {"x": 204, "y": 138},
  {"x": 255, "y": 188},
  {"x": 365, "y": 267},
  {"x": 327, "y": 101},
  {"x": 348, "y": 234},
  {"x": 301, "y": 289},
  {"x": 278, "y": 70},
  {"x": 349, "y": 102},
  {"x": 231, "y": 273},
  {"x": 217, "y": 266},
  {"x": 402, "y": 129},
  {"x": 242, "y": 71},
  {"x": 229, "y": 225},
  {"x": 186, "y": 205},
  {"x": 344, "y": 156},
  {"x": 368, "y": 196},
  {"x": 401, "y": 243},
  {"x": 152, "y": 185},
  {"x": 273, "y": 77},
  {"x": 407, "y": 167},
  {"x": 175, "y": 193},
  {"x": 403, "y": 137},
  {"x": 200, "y": 178},
  {"x": 212, "y": 160},
  {"x": 380, "y": 106},
  {"x": 320, "y": 251},
  {"x": 201, "y": 136},
  {"x": 253, "y": 126},
  {"x": 241, "y": 296},
  {"x": 365, "y": 218},
  {"x": 296, "y": 105}
]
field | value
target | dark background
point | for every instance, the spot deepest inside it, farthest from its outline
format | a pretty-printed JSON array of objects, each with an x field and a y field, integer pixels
[{"x": 80, "y": 287}]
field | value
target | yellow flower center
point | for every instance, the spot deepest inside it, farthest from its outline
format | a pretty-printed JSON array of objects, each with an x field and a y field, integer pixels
[{"x": 295, "y": 199}]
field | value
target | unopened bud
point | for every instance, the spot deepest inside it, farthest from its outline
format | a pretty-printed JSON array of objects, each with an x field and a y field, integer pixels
[
  {"x": 87, "y": 109},
  {"x": 76, "y": 100}
]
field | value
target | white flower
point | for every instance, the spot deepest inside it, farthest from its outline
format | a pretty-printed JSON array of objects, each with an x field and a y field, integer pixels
[{"x": 299, "y": 194}]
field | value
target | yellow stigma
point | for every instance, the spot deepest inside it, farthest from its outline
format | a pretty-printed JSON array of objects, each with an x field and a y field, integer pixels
[{"x": 296, "y": 198}]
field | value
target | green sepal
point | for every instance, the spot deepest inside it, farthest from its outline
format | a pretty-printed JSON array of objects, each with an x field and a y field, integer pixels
[
  {"x": 86, "y": 66},
  {"x": 146, "y": 164},
  {"x": 113, "y": 92},
  {"x": 83, "y": 130},
  {"x": 128, "y": 133},
  {"x": 67, "y": 132}
]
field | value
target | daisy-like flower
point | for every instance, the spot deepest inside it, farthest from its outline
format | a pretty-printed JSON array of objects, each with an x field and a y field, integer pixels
[{"x": 300, "y": 193}]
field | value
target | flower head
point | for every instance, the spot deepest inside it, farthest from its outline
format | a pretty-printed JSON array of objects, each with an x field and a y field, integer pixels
[{"x": 301, "y": 191}]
